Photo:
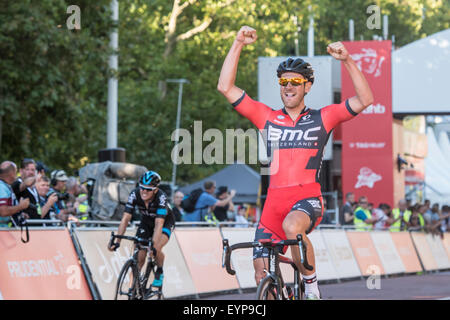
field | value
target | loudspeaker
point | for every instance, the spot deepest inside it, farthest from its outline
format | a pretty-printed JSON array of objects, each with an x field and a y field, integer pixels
[{"x": 112, "y": 154}]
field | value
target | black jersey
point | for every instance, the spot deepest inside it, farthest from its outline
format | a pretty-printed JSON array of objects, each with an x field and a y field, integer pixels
[{"x": 158, "y": 208}]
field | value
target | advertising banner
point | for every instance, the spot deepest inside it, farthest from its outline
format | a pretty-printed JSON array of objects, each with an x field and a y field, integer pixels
[
  {"x": 105, "y": 265},
  {"x": 406, "y": 250},
  {"x": 242, "y": 259},
  {"x": 202, "y": 251},
  {"x": 367, "y": 159},
  {"x": 438, "y": 251},
  {"x": 446, "y": 242},
  {"x": 387, "y": 252},
  {"x": 368, "y": 260},
  {"x": 424, "y": 250},
  {"x": 324, "y": 266},
  {"x": 45, "y": 268},
  {"x": 341, "y": 253}
]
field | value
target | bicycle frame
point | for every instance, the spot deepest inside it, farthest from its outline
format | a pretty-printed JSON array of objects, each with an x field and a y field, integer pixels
[
  {"x": 274, "y": 260},
  {"x": 142, "y": 291}
]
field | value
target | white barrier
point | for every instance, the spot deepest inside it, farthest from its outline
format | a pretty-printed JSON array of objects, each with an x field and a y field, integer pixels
[
  {"x": 242, "y": 259},
  {"x": 387, "y": 252},
  {"x": 324, "y": 265},
  {"x": 438, "y": 252},
  {"x": 341, "y": 253}
]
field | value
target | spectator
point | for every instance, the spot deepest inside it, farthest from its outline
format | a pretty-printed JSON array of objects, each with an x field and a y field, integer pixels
[
  {"x": 41, "y": 169},
  {"x": 346, "y": 216},
  {"x": 445, "y": 218},
  {"x": 177, "y": 209},
  {"x": 363, "y": 220},
  {"x": 415, "y": 222},
  {"x": 240, "y": 217},
  {"x": 398, "y": 214},
  {"x": 45, "y": 206},
  {"x": 57, "y": 185},
  {"x": 221, "y": 213},
  {"x": 383, "y": 216},
  {"x": 78, "y": 199},
  {"x": 206, "y": 201},
  {"x": 8, "y": 202},
  {"x": 24, "y": 187},
  {"x": 432, "y": 223}
]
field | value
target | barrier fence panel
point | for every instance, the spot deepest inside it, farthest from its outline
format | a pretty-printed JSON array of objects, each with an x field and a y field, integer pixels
[
  {"x": 341, "y": 253},
  {"x": 104, "y": 265},
  {"x": 324, "y": 266},
  {"x": 202, "y": 250},
  {"x": 387, "y": 252},
  {"x": 446, "y": 242},
  {"x": 45, "y": 268},
  {"x": 242, "y": 259},
  {"x": 177, "y": 278},
  {"x": 405, "y": 248},
  {"x": 424, "y": 250},
  {"x": 438, "y": 251},
  {"x": 366, "y": 255}
]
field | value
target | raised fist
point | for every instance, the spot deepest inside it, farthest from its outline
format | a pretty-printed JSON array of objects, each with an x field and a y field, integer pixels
[
  {"x": 246, "y": 35},
  {"x": 338, "y": 51}
]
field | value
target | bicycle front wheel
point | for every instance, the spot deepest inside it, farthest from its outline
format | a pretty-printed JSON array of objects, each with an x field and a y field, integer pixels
[
  {"x": 267, "y": 290},
  {"x": 127, "y": 283}
]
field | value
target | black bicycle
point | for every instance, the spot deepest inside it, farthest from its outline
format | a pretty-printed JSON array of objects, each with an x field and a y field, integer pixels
[
  {"x": 273, "y": 286},
  {"x": 133, "y": 284}
]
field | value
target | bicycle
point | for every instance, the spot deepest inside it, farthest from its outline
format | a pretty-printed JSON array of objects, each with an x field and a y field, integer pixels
[
  {"x": 131, "y": 283},
  {"x": 273, "y": 286}
]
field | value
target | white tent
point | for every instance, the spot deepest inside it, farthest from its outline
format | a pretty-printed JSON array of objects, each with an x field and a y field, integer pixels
[
  {"x": 437, "y": 171},
  {"x": 420, "y": 76},
  {"x": 444, "y": 144}
]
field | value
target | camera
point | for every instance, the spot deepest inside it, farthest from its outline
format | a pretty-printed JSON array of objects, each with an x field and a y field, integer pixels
[{"x": 61, "y": 196}]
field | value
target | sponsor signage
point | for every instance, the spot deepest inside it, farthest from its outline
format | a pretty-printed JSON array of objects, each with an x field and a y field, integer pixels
[{"x": 367, "y": 156}]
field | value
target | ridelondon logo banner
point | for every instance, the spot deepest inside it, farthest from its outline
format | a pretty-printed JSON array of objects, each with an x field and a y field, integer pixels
[{"x": 367, "y": 161}]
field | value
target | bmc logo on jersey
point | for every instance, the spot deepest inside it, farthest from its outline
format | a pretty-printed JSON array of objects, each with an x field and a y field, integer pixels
[{"x": 284, "y": 135}]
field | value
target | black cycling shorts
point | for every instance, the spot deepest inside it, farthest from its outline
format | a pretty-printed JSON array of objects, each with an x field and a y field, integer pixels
[{"x": 146, "y": 231}]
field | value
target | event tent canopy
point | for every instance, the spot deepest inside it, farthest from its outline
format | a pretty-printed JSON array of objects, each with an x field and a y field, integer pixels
[
  {"x": 239, "y": 177},
  {"x": 420, "y": 76}
]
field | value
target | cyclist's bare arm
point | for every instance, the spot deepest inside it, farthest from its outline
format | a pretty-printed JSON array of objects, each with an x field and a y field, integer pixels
[
  {"x": 126, "y": 218},
  {"x": 246, "y": 35},
  {"x": 364, "y": 96}
]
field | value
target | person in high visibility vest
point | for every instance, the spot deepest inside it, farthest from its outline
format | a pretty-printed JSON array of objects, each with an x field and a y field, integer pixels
[
  {"x": 363, "y": 220},
  {"x": 398, "y": 214},
  {"x": 414, "y": 220}
]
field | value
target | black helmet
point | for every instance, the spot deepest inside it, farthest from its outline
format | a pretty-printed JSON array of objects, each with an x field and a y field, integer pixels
[
  {"x": 296, "y": 65},
  {"x": 149, "y": 179}
]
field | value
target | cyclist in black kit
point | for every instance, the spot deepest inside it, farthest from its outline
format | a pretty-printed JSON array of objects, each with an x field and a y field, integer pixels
[{"x": 157, "y": 220}]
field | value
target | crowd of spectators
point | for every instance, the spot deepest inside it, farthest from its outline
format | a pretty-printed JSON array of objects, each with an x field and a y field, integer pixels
[
  {"x": 404, "y": 217},
  {"x": 35, "y": 193},
  {"x": 214, "y": 205}
]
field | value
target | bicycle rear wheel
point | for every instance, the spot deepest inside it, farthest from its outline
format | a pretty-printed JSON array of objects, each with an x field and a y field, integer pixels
[
  {"x": 127, "y": 283},
  {"x": 267, "y": 290}
]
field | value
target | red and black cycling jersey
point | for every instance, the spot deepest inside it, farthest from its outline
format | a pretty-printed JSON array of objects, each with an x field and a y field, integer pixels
[{"x": 295, "y": 148}]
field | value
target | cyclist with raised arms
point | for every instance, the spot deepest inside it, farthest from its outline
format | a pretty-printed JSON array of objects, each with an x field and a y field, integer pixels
[
  {"x": 296, "y": 136},
  {"x": 157, "y": 220}
]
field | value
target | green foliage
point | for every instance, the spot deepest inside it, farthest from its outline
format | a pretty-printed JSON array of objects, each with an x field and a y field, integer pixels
[{"x": 53, "y": 83}]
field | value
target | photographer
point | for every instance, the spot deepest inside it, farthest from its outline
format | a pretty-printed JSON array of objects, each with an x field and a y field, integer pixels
[
  {"x": 45, "y": 206},
  {"x": 58, "y": 184},
  {"x": 24, "y": 187},
  {"x": 8, "y": 202}
]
